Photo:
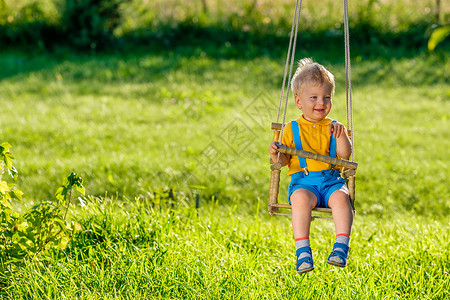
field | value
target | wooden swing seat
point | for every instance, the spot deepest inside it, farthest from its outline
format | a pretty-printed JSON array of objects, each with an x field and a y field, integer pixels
[
  {"x": 349, "y": 172},
  {"x": 318, "y": 209},
  {"x": 274, "y": 210}
]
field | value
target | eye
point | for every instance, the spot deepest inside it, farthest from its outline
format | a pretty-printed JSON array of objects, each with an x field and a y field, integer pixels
[{"x": 313, "y": 97}]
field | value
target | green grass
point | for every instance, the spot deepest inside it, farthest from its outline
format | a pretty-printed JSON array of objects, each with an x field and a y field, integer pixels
[
  {"x": 139, "y": 250},
  {"x": 133, "y": 124}
]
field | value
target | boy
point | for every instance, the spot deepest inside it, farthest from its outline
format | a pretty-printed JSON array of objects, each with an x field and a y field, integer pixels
[{"x": 315, "y": 183}]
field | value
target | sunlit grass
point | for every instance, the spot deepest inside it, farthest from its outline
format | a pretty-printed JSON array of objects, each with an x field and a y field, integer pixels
[
  {"x": 139, "y": 250},
  {"x": 130, "y": 124}
]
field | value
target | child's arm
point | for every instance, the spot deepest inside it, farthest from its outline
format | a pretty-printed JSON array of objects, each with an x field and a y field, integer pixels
[
  {"x": 343, "y": 144},
  {"x": 284, "y": 158}
]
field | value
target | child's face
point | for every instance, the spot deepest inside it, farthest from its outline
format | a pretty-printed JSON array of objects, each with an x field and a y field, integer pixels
[{"x": 314, "y": 101}]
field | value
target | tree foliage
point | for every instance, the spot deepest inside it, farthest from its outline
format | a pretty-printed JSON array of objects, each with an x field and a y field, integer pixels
[{"x": 91, "y": 23}]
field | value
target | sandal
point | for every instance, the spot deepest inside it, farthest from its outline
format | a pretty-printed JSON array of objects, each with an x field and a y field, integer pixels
[
  {"x": 304, "y": 264},
  {"x": 338, "y": 257}
]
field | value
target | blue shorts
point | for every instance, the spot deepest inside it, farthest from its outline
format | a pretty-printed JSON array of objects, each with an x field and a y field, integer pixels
[{"x": 322, "y": 184}]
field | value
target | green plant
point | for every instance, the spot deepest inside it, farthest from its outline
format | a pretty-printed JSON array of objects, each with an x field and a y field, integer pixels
[
  {"x": 30, "y": 22},
  {"x": 7, "y": 193},
  {"x": 8, "y": 222},
  {"x": 437, "y": 36},
  {"x": 39, "y": 230},
  {"x": 91, "y": 23}
]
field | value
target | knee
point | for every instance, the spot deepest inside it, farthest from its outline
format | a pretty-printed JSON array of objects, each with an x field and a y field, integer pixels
[
  {"x": 339, "y": 199},
  {"x": 303, "y": 198}
]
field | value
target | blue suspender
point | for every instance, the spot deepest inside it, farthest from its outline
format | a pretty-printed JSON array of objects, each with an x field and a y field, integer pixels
[
  {"x": 333, "y": 146},
  {"x": 298, "y": 144}
]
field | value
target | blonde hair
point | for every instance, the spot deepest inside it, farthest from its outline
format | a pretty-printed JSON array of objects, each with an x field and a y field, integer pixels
[{"x": 310, "y": 72}]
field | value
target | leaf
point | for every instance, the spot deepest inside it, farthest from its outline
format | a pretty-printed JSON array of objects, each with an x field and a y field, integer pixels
[
  {"x": 77, "y": 227},
  {"x": 60, "y": 222},
  {"x": 18, "y": 194},
  {"x": 8, "y": 157},
  {"x": 437, "y": 36},
  {"x": 80, "y": 189},
  {"x": 63, "y": 243},
  {"x": 13, "y": 172},
  {"x": 4, "y": 188},
  {"x": 4, "y": 202},
  {"x": 5, "y": 146},
  {"x": 22, "y": 226},
  {"x": 61, "y": 193}
]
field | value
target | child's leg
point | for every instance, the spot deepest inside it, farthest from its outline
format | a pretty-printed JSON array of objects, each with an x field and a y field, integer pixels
[
  {"x": 302, "y": 201},
  {"x": 341, "y": 208}
]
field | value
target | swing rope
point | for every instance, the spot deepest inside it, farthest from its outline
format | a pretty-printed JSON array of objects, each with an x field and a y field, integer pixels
[
  {"x": 290, "y": 61},
  {"x": 292, "y": 47},
  {"x": 295, "y": 21},
  {"x": 348, "y": 80}
]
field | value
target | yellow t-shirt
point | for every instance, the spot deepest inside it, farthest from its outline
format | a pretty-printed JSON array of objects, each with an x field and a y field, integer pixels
[{"x": 315, "y": 137}]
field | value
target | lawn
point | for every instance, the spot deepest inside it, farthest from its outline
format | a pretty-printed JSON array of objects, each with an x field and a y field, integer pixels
[
  {"x": 133, "y": 125},
  {"x": 172, "y": 143},
  {"x": 139, "y": 250},
  {"x": 136, "y": 122}
]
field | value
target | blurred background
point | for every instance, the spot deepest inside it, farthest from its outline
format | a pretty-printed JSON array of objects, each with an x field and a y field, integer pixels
[{"x": 258, "y": 26}]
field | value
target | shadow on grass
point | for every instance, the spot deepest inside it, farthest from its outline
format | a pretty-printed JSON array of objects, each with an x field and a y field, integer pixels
[
  {"x": 223, "y": 42},
  {"x": 167, "y": 48}
]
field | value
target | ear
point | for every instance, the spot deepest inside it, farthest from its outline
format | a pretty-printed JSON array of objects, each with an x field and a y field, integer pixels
[{"x": 298, "y": 102}]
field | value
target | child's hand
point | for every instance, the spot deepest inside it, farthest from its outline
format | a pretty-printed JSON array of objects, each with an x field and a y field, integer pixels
[
  {"x": 337, "y": 129},
  {"x": 278, "y": 158},
  {"x": 273, "y": 148}
]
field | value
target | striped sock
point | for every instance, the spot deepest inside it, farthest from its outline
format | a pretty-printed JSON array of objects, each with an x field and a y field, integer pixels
[
  {"x": 300, "y": 243},
  {"x": 342, "y": 238}
]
